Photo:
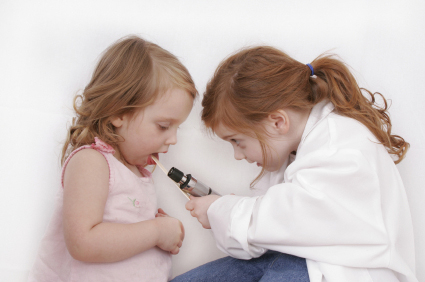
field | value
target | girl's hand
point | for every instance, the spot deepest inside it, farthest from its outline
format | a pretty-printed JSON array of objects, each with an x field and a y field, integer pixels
[
  {"x": 198, "y": 207},
  {"x": 170, "y": 233}
]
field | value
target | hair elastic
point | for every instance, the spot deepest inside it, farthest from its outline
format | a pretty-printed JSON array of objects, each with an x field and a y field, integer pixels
[{"x": 311, "y": 68}]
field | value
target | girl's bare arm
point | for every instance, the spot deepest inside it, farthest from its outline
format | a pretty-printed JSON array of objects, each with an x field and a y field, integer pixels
[{"x": 86, "y": 187}]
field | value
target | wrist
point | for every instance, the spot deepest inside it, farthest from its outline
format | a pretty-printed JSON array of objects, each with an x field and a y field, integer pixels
[{"x": 157, "y": 229}]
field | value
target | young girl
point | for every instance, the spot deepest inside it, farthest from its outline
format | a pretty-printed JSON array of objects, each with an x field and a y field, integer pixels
[
  {"x": 106, "y": 226},
  {"x": 333, "y": 206}
]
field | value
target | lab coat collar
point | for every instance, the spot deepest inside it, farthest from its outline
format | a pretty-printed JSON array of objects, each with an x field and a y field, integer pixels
[{"x": 318, "y": 113}]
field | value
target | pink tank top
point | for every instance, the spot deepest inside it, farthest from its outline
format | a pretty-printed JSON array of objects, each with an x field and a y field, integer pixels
[{"x": 131, "y": 199}]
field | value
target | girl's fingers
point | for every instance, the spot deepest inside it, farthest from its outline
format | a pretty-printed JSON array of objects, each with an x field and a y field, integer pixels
[
  {"x": 190, "y": 205},
  {"x": 183, "y": 232},
  {"x": 162, "y": 211},
  {"x": 175, "y": 251}
]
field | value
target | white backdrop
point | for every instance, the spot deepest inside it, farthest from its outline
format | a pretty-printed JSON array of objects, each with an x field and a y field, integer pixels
[{"x": 48, "y": 50}]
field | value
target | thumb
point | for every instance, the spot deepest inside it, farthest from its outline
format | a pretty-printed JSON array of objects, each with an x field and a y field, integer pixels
[{"x": 190, "y": 205}]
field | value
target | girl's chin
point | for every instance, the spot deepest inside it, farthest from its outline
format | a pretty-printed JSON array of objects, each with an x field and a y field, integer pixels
[{"x": 150, "y": 161}]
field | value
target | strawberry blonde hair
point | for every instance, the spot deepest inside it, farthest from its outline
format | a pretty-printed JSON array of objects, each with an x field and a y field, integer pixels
[
  {"x": 131, "y": 74},
  {"x": 254, "y": 82}
]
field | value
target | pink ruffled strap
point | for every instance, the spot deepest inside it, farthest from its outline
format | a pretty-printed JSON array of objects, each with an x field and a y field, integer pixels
[
  {"x": 102, "y": 146},
  {"x": 99, "y": 146}
]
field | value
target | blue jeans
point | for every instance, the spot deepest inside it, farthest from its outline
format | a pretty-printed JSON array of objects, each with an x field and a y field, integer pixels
[{"x": 272, "y": 266}]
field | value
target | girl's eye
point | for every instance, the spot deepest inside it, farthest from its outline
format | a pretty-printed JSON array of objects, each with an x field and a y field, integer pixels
[
  {"x": 235, "y": 141},
  {"x": 163, "y": 127}
]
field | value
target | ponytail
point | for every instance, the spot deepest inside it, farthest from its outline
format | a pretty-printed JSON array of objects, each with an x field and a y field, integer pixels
[
  {"x": 254, "y": 82},
  {"x": 335, "y": 82}
]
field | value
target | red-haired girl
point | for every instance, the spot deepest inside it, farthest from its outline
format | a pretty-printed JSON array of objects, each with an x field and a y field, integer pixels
[{"x": 330, "y": 203}]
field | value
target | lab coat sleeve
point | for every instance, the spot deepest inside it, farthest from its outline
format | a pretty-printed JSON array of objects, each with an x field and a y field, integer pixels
[
  {"x": 227, "y": 216},
  {"x": 327, "y": 210}
]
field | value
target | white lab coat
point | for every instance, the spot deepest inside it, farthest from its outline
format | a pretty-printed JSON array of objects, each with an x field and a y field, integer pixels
[{"x": 340, "y": 204}]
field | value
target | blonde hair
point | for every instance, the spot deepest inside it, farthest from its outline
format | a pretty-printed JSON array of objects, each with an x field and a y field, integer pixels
[
  {"x": 254, "y": 82},
  {"x": 130, "y": 76}
]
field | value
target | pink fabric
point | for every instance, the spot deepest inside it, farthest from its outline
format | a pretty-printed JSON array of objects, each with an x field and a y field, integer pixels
[{"x": 131, "y": 199}]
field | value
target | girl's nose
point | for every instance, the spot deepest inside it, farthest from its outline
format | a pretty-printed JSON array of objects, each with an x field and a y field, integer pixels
[
  {"x": 238, "y": 154},
  {"x": 172, "y": 139}
]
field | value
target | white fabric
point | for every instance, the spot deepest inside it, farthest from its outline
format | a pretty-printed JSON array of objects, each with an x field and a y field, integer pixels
[{"x": 340, "y": 204}]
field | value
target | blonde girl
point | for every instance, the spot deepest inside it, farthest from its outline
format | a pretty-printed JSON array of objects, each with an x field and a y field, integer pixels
[
  {"x": 330, "y": 203},
  {"x": 107, "y": 226}
]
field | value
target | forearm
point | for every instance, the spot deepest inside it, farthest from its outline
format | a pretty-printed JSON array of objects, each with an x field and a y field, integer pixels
[{"x": 110, "y": 242}]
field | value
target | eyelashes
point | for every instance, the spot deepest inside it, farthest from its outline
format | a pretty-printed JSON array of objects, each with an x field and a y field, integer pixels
[
  {"x": 161, "y": 127},
  {"x": 235, "y": 141}
]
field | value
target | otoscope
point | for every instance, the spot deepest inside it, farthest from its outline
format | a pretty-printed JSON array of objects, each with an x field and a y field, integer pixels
[
  {"x": 190, "y": 184},
  {"x": 187, "y": 183}
]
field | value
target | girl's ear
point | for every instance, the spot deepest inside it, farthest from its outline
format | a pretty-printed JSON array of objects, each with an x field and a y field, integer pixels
[
  {"x": 117, "y": 121},
  {"x": 279, "y": 121}
]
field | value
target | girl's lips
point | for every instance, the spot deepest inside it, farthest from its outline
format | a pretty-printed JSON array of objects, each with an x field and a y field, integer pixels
[
  {"x": 259, "y": 164},
  {"x": 151, "y": 161}
]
